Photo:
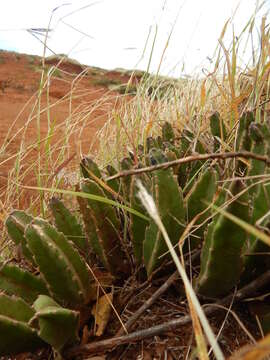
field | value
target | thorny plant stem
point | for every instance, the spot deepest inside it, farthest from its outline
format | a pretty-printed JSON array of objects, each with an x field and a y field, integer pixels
[
  {"x": 151, "y": 208},
  {"x": 191, "y": 158}
]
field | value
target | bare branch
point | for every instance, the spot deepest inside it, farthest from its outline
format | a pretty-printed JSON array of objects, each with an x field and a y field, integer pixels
[
  {"x": 102, "y": 345},
  {"x": 192, "y": 158}
]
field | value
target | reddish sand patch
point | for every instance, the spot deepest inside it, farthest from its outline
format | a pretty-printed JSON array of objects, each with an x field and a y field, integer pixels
[{"x": 75, "y": 93}]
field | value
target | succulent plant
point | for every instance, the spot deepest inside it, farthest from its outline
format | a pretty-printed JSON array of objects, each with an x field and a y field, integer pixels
[
  {"x": 20, "y": 282},
  {"x": 30, "y": 317},
  {"x": 16, "y": 334},
  {"x": 68, "y": 224},
  {"x": 16, "y": 224},
  {"x": 55, "y": 325},
  {"x": 63, "y": 254},
  {"x": 222, "y": 253},
  {"x": 54, "y": 254},
  {"x": 105, "y": 231},
  {"x": 169, "y": 201},
  {"x": 218, "y": 130}
]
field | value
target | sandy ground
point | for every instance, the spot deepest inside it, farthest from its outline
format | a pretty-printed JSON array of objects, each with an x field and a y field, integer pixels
[{"x": 74, "y": 95}]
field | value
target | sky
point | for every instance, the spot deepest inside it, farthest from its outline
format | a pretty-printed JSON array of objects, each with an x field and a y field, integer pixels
[{"x": 113, "y": 33}]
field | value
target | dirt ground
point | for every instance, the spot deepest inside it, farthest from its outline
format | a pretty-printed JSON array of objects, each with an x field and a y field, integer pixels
[{"x": 75, "y": 94}]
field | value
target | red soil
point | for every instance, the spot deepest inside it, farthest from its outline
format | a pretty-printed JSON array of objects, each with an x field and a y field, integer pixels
[{"x": 75, "y": 92}]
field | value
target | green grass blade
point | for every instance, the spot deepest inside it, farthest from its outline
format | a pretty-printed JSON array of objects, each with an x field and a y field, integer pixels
[{"x": 90, "y": 197}]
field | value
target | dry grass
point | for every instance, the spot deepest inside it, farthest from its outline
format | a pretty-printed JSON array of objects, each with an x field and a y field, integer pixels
[
  {"x": 42, "y": 160},
  {"x": 186, "y": 103},
  {"x": 227, "y": 88}
]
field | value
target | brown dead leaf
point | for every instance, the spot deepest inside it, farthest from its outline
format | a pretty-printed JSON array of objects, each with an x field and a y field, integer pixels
[{"x": 102, "y": 311}]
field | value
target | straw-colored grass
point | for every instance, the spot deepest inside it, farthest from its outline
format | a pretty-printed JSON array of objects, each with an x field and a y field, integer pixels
[{"x": 229, "y": 87}]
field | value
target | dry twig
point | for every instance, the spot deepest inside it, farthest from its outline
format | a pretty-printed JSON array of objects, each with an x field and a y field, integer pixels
[
  {"x": 149, "y": 302},
  {"x": 102, "y": 345},
  {"x": 153, "y": 298},
  {"x": 191, "y": 158}
]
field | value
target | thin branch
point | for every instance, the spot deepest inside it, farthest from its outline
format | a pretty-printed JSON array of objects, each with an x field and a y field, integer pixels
[
  {"x": 154, "y": 298},
  {"x": 192, "y": 158},
  {"x": 149, "y": 302},
  {"x": 102, "y": 345}
]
